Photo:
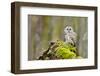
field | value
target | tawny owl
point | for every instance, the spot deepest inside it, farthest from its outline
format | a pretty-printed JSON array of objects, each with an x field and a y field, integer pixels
[{"x": 70, "y": 35}]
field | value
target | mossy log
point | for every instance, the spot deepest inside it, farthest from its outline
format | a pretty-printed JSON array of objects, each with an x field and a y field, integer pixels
[{"x": 59, "y": 50}]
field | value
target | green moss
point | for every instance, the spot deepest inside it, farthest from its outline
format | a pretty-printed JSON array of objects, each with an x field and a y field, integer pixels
[
  {"x": 60, "y": 50},
  {"x": 65, "y": 51}
]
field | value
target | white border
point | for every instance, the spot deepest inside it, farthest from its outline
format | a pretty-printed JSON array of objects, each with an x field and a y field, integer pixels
[{"x": 25, "y": 64}]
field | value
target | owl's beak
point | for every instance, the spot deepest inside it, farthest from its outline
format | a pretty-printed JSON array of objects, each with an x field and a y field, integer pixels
[{"x": 68, "y": 31}]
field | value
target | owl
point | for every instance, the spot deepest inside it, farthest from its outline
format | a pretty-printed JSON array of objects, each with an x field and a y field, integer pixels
[{"x": 70, "y": 35}]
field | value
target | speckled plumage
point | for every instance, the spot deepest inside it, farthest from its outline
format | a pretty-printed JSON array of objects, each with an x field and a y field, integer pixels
[{"x": 70, "y": 35}]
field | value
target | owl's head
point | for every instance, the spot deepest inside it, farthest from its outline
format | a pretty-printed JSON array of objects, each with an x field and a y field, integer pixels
[{"x": 68, "y": 29}]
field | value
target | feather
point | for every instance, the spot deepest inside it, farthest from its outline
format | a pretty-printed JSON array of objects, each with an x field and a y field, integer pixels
[{"x": 70, "y": 35}]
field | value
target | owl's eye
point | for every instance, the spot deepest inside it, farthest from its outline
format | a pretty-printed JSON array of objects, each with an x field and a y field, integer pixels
[
  {"x": 70, "y": 29},
  {"x": 67, "y": 29}
]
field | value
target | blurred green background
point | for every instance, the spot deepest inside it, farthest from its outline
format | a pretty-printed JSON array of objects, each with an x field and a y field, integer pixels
[{"x": 44, "y": 29}]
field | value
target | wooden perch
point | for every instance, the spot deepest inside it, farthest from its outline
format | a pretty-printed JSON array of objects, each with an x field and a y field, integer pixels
[{"x": 45, "y": 54}]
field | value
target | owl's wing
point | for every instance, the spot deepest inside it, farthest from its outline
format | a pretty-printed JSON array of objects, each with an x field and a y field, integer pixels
[{"x": 73, "y": 37}]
